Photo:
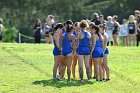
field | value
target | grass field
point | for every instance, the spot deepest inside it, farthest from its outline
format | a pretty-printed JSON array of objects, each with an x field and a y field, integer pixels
[{"x": 27, "y": 68}]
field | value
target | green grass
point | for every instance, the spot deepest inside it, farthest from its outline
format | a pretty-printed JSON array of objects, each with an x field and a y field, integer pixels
[{"x": 27, "y": 68}]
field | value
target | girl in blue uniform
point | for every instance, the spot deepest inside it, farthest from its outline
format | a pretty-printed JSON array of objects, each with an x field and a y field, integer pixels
[
  {"x": 97, "y": 52},
  {"x": 57, "y": 47},
  {"x": 67, "y": 46},
  {"x": 62, "y": 65},
  {"x": 105, "y": 66},
  {"x": 91, "y": 59},
  {"x": 75, "y": 55},
  {"x": 84, "y": 49}
]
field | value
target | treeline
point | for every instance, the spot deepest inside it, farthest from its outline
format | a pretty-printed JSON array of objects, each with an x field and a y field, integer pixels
[{"x": 21, "y": 14}]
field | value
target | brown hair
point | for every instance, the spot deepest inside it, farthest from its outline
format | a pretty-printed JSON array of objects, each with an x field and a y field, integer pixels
[
  {"x": 92, "y": 24},
  {"x": 50, "y": 16},
  {"x": 96, "y": 28},
  {"x": 115, "y": 17}
]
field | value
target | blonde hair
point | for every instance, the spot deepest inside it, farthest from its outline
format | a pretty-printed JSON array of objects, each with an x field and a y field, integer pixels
[
  {"x": 109, "y": 17},
  {"x": 132, "y": 16},
  {"x": 83, "y": 24}
]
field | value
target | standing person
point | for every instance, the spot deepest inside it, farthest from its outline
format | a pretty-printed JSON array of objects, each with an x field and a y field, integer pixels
[
  {"x": 124, "y": 32},
  {"x": 67, "y": 46},
  {"x": 116, "y": 30},
  {"x": 137, "y": 18},
  {"x": 49, "y": 25},
  {"x": 84, "y": 50},
  {"x": 1, "y": 30},
  {"x": 91, "y": 25},
  {"x": 75, "y": 55},
  {"x": 37, "y": 31},
  {"x": 63, "y": 63},
  {"x": 97, "y": 52},
  {"x": 132, "y": 28},
  {"x": 137, "y": 14},
  {"x": 105, "y": 67},
  {"x": 57, "y": 47},
  {"x": 95, "y": 19},
  {"x": 101, "y": 19},
  {"x": 138, "y": 30},
  {"x": 109, "y": 30}
]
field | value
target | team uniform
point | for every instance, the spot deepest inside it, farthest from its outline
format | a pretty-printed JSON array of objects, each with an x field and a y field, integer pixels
[
  {"x": 56, "y": 50},
  {"x": 84, "y": 44},
  {"x": 106, "y": 52},
  {"x": 98, "y": 51},
  {"x": 131, "y": 27},
  {"x": 66, "y": 45}
]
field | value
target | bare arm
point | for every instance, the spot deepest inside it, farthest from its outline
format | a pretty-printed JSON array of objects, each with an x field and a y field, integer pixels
[
  {"x": 56, "y": 39},
  {"x": 78, "y": 38},
  {"x": 118, "y": 25},
  {"x": 135, "y": 27},
  {"x": 103, "y": 45},
  {"x": 93, "y": 40},
  {"x": 105, "y": 41}
]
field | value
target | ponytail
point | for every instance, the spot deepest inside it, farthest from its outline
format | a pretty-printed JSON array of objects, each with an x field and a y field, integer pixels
[
  {"x": 69, "y": 28},
  {"x": 59, "y": 25}
]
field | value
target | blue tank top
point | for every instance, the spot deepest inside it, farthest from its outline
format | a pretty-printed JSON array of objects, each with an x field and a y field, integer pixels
[
  {"x": 55, "y": 46},
  {"x": 98, "y": 43},
  {"x": 66, "y": 43},
  {"x": 84, "y": 42}
]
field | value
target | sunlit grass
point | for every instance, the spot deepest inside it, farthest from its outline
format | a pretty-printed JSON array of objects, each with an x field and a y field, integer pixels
[{"x": 27, "y": 68}]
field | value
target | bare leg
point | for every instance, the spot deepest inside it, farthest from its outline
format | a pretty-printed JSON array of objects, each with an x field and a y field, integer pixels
[
  {"x": 50, "y": 39},
  {"x": 100, "y": 68},
  {"x": 105, "y": 64},
  {"x": 123, "y": 38},
  {"x": 74, "y": 64},
  {"x": 80, "y": 61},
  {"x": 56, "y": 64},
  {"x": 96, "y": 67},
  {"x": 63, "y": 66},
  {"x": 68, "y": 61},
  {"x": 134, "y": 39},
  {"x": 86, "y": 60},
  {"x": 90, "y": 66},
  {"x": 129, "y": 37},
  {"x": 115, "y": 38},
  {"x": 103, "y": 71}
]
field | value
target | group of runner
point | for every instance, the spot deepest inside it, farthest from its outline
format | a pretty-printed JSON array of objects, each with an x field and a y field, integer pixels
[
  {"x": 86, "y": 43},
  {"x": 82, "y": 42}
]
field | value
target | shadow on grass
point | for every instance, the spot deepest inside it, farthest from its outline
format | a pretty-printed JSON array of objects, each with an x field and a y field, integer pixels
[{"x": 60, "y": 83}]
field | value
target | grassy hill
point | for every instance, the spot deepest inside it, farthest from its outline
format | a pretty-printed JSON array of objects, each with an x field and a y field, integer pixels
[{"x": 27, "y": 68}]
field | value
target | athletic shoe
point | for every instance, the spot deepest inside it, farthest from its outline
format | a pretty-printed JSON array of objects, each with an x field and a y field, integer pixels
[
  {"x": 81, "y": 81},
  {"x": 89, "y": 80},
  {"x": 107, "y": 79},
  {"x": 58, "y": 77},
  {"x": 94, "y": 77}
]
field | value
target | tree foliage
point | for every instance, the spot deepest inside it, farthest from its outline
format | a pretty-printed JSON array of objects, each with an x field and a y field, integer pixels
[{"x": 22, "y": 14}]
